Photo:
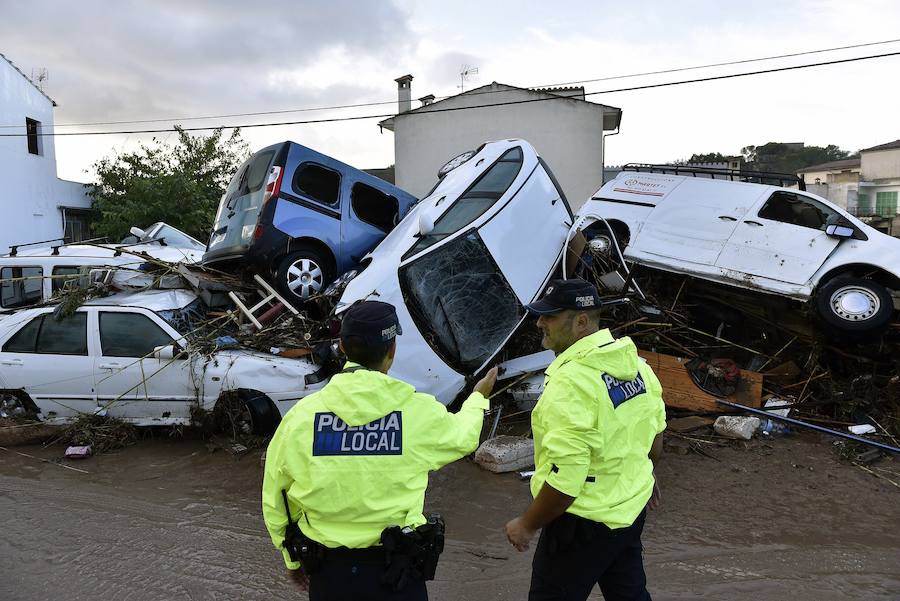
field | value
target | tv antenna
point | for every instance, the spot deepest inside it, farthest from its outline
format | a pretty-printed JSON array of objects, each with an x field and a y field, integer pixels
[
  {"x": 464, "y": 72},
  {"x": 39, "y": 79}
]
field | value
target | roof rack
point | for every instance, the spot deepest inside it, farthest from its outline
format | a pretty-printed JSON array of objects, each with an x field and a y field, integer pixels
[
  {"x": 14, "y": 249},
  {"x": 738, "y": 175}
]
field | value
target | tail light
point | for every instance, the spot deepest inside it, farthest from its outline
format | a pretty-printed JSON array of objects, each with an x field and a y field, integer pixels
[{"x": 273, "y": 183}]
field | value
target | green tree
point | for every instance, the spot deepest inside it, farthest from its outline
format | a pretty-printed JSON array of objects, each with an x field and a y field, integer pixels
[
  {"x": 788, "y": 158},
  {"x": 178, "y": 183},
  {"x": 710, "y": 157}
]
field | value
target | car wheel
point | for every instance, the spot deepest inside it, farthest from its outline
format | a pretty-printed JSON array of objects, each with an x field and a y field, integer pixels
[
  {"x": 257, "y": 415},
  {"x": 600, "y": 254},
  {"x": 11, "y": 406},
  {"x": 855, "y": 305},
  {"x": 304, "y": 274}
]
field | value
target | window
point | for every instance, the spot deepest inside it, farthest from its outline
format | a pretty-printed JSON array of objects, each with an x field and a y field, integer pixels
[
  {"x": 20, "y": 286},
  {"x": 375, "y": 207},
  {"x": 863, "y": 205},
  {"x": 797, "y": 210},
  {"x": 481, "y": 196},
  {"x": 33, "y": 134},
  {"x": 461, "y": 302},
  {"x": 318, "y": 183},
  {"x": 25, "y": 340},
  {"x": 76, "y": 224},
  {"x": 258, "y": 171},
  {"x": 64, "y": 274},
  {"x": 177, "y": 238},
  {"x": 66, "y": 336},
  {"x": 886, "y": 204},
  {"x": 130, "y": 335}
]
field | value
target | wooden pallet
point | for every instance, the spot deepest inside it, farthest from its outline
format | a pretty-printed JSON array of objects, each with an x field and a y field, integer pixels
[{"x": 679, "y": 390}]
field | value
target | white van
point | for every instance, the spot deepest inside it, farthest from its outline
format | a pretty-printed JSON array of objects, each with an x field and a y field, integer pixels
[
  {"x": 30, "y": 275},
  {"x": 750, "y": 235}
]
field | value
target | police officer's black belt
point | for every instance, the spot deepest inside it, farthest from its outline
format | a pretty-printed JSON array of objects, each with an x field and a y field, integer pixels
[{"x": 365, "y": 555}]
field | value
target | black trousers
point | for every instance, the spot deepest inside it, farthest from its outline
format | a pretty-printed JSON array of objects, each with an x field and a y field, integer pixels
[
  {"x": 359, "y": 578},
  {"x": 574, "y": 554}
]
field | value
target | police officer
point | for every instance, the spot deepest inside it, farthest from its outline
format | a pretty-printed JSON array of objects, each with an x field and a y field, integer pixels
[
  {"x": 353, "y": 460},
  {"x": 601, "y": 414}
]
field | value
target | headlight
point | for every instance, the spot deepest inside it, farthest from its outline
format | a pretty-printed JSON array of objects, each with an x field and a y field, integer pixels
[
  {"x": 339, "y": 284},
  {"x": 247, "y": 231}
]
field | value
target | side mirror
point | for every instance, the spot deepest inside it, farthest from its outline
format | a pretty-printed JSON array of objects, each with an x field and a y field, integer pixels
[
  {"x": 136, "y": 231},
  {"x": 426, "y": 224},
  {"x": 164, "y": 352},
  {"x": 839, "y": 231}
]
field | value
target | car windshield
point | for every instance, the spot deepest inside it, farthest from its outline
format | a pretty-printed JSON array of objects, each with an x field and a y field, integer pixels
[
  {"x": 189, "y": 320},
  {"x": 171, "y": 236},
  {"x": 486, "y": 190},
  {"x": 461, "y": 302}
]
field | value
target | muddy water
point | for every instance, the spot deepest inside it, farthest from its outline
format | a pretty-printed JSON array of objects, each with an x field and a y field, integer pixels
[{"x": 170, "y": 520}]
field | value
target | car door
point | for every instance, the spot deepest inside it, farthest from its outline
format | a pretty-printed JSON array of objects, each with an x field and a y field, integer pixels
[
  {"x": 694, "y": 223},
  {"x": 371, "y": 215},
  {"x": 132, "y": 383},
  {"x": 782, "y": 239},
  {"x": 51, "y": 360}
]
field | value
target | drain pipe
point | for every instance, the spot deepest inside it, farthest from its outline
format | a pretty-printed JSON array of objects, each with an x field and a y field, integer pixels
[{"x": 797, "y": 422}]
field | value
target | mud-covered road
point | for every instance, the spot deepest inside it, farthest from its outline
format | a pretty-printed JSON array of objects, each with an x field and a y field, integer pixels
[{"x": 167, "y": 519}]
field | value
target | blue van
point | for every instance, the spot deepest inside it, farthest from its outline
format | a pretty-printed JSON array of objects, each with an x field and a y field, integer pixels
[{"x": 300, "y": 218}]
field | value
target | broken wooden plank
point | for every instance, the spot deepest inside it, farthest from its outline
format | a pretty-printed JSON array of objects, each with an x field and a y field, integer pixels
[
  {"x": 687, "y": 424},
  {"x": 679, "y": 390}
]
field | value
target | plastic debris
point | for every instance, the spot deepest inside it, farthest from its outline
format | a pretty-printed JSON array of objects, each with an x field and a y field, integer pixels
[
  {"x": 862, "y": 429},
  {"x": 78, "y": 452}
]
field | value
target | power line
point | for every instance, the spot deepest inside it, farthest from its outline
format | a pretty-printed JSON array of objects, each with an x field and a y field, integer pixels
[
  {"x": 461, "y": 108},
  {"x": 388, "y": 102}
]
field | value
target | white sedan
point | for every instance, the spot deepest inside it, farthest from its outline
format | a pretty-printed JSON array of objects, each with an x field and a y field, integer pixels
[{"x": 120, "y": 356}]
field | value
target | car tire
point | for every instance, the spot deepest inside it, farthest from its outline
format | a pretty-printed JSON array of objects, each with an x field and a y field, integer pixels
[
  {"x": 600, "y": 244},
  {"x": 854, "y": 306},
  {"x": 259, "y": 415},
  {"x": 303, "y": 274}
]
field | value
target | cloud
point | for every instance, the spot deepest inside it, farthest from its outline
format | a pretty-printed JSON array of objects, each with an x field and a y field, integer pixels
[{"x": 110, "y": 61}]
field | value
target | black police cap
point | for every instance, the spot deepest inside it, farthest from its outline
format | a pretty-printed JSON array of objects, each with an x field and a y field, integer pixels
[
  {"x": 575, "y": 294},
  {"x": 373, "y": 321}
]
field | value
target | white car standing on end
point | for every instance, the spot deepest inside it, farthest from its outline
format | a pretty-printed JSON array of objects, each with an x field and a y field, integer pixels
[
  {"x": 761, "y": 237},
  {"x": 120, "y": 356},
  {"x": 461, "y": 265}
]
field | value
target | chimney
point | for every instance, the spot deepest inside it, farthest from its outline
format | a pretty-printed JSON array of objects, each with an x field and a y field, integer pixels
[
  {"x": 426, "y": 100},
  {"x": 404, "y": 93}
]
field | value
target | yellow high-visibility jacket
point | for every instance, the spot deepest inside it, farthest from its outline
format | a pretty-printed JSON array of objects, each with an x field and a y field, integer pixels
[
  {"x": 593, "y": 428},
  {"x": 355, "y": 456}
]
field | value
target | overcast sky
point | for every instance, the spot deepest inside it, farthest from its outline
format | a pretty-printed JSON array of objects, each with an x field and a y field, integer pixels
[{"x": 160, "y": 59}]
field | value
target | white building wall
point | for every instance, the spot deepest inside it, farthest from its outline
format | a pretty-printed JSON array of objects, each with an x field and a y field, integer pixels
[
  {"x": 30, "y": 192},
  {"x": 567, "y": 134},
  {"x": 880, "y": 164}
]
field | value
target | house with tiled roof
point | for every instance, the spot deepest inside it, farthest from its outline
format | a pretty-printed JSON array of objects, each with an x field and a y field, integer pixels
[
  {"x": 36, "y": 205},
  {"x": 567, "y": 130},
  {"x": 879, "y": 186}
]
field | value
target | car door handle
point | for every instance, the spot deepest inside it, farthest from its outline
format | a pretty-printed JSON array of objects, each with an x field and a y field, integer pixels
[
  {"x": 110, "y": 365},
  {"x": 12, "y": 362},
  {"x": 727, "y": 218},
  {"x": 756, "y": 223}
]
